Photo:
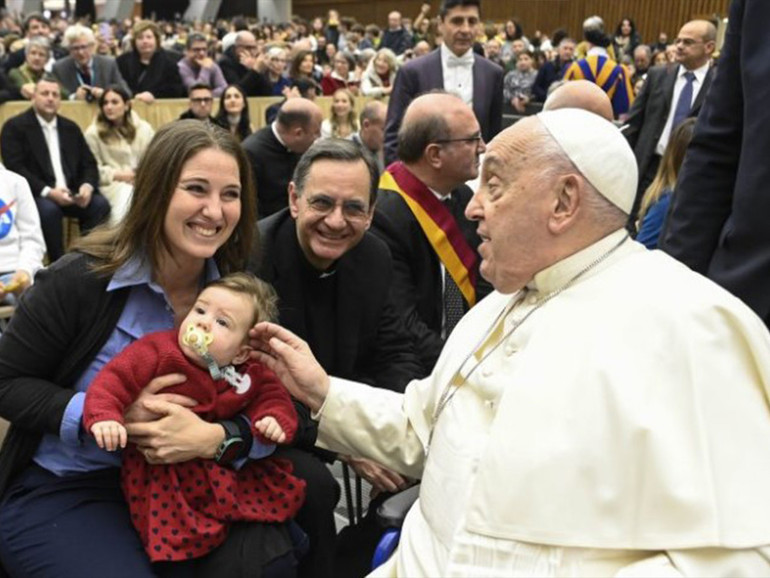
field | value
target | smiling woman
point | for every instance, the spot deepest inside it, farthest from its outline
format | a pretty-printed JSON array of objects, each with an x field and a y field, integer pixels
[{"x": 191, "y": 217}]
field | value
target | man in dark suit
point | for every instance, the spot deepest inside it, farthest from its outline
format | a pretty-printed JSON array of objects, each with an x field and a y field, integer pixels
[
  {"x": 657, "y": 109},
  {"x": 274, "y": 151},
  {"x": 553, "y": 70},
  {"x": 52, "y": 154},
  {"x": 333, "y": 282},
  {"x": 435, "y": 261},
  {"x": 718, "y": 220},
  {"x": 454, "y": 68},
  {"x": 83, "y": 74}
]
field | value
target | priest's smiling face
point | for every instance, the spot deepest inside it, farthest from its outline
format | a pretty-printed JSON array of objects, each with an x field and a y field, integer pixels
[{"x": 333, "y": 210}]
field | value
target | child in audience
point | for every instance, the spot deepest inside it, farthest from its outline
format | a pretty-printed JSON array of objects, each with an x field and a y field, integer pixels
[
  {"x": 657, "y": 197},
  {"x": 517, "y": 84},
  {"x": 183, "y": 511},
  {"x": 21, "y": 239}
]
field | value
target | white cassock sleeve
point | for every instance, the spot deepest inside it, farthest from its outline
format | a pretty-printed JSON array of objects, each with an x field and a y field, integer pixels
[{"x": 387, "y": 427}]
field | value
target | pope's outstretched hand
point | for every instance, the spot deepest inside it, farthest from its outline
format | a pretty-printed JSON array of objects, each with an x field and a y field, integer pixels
[{"x": 291, "y": 359}]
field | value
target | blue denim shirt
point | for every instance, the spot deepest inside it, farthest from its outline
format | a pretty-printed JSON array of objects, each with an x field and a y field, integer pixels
[{"x": 147, "y": 310}]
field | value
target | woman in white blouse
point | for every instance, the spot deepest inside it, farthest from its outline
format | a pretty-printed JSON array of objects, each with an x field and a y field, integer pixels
[{"x": 118, "y": 139}]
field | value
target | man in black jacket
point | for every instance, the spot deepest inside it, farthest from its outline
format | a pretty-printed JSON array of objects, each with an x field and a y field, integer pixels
[
  {"x": 333, "y": 282},
  {"x": 52, "y": 154},
  {"x": 438, "y": 146},
  {"x": 274, "y": 151},
  {"x": 717, "y": 225},
  {"x": 244, "y": 65}
]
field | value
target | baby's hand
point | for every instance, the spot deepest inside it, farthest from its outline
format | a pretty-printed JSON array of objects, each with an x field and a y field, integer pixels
[
  {"x": 269, "y": 428},
  {"x": 110, "y": 435}
]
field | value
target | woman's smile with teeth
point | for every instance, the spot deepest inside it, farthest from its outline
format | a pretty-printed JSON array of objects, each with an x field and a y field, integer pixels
[{"x": 205, "y": 231}]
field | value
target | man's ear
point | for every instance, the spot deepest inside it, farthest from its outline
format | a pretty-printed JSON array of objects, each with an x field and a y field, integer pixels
[
  {"x": 242, "y": 355},
  {"x": 293, "y": 199},
  {"x": 433, "y": 155},
  {"x": 566, "y": 203}
]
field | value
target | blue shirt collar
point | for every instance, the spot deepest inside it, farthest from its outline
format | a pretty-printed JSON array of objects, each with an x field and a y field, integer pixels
[{"x": 137, "y": 271}]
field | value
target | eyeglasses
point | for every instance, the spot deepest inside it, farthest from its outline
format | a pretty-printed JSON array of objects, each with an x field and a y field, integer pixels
[
  {"x": 79, "y": 47},
  {"x": 250, "y": 47},
  {"x": 198, "y": 49},
  {"x": 475, "y": 139},
  {"x": 355, "y": 211},
  {"x": 202, "y": 100}
]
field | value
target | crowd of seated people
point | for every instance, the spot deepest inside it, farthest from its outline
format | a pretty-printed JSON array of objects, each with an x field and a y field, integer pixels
[{"x": 102, "y": 178}]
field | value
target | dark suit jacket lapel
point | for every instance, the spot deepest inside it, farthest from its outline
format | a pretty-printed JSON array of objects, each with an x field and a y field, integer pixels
[
  {"x": 434, "y": 71},
  {"x": 39, "y": 145},
  {"x": 286, "y": 269},
  {"x": 668, "y": 87},
  {"x": 703, "y": 91},
  {"x": 480, "y": 104}
]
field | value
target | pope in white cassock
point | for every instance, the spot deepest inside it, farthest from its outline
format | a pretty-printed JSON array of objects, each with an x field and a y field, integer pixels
[{"x": 604, "y": 412}]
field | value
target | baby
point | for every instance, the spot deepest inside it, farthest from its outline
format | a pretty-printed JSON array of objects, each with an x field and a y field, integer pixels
[{"x": 183, "y": 510}]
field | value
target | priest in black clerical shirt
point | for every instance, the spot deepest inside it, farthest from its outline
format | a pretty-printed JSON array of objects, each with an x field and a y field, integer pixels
[{"x": 333, "y": 281}]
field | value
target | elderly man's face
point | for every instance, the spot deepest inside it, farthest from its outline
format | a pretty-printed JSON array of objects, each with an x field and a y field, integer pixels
[
  {"x": 512, "y": 207},
  {"x": 332, "y": 211},
  {"x": 641, "y": 59},
  {"x": 81, "y": 50}
]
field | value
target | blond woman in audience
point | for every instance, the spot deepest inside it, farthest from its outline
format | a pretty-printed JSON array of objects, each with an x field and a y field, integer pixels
[
  {"x": 342, "y": 121},
  {"x": 118, "y": 139}
]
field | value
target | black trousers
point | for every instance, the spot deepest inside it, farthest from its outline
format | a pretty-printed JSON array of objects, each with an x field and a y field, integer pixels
[{"x": 316, "y": 517}]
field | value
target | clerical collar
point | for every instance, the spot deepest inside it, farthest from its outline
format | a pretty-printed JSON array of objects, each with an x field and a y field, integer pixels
[
  {"x": 555, "y": 276},
  {"x": 274, "y": 128}
]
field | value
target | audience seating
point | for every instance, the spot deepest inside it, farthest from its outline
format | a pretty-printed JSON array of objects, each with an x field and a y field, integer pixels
[{"x": 163, "y": 111}]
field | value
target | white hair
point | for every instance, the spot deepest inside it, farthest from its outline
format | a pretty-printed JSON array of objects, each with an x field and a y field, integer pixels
[{"x": 77, "y": 31}]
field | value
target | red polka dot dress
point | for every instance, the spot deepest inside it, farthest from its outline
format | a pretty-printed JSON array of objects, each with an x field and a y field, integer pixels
[{"x": 183, "y": 511}]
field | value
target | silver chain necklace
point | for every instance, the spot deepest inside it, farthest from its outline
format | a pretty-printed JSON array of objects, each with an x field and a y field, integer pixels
[{"x": 449, "y": 392}]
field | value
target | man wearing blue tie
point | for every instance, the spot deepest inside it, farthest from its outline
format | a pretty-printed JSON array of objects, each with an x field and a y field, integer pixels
[{"x": 669, "y": 96}]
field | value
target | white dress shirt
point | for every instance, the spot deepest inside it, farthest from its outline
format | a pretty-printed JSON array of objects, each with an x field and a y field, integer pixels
[
  {"x": 51, "y": 133},
  {"x": 700, "y": 76},
  {"x": 458, "y": 73}
]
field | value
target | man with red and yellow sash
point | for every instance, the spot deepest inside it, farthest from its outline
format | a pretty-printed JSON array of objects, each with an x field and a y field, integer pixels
[{"x": 420, "y": 215}]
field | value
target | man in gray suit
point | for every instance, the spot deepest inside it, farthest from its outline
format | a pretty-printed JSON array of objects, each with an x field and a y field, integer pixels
[
  {"x": 84, "y": 74},
  {"x": 454, "y": 68},
  {"x": 657, "y": 109}
]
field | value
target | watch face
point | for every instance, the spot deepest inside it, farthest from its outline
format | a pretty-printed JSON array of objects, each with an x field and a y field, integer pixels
[{"x": 229, "y": 450}]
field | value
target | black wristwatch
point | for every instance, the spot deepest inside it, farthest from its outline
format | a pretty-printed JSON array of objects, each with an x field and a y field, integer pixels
[{"x": 232, "y": 446}]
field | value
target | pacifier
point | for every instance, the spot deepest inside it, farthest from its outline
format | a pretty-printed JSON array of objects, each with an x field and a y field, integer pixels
[{"x": 198, "y": 339}]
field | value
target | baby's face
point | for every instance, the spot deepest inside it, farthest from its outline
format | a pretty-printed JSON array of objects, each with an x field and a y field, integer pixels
[{"x": 226, "y": 316}]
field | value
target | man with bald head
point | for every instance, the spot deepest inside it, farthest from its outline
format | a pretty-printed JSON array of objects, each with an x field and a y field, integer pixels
[
  {"x": 396, "y": 37},
  {"x": 603, "y": 412},
  {"x": 274, "y": 151},
  {"x": 669, "y": 96},
  {"x": 419, "y": 215},
  {"x": 245, "y": 65},
  {"x": 580, "y": 94}
]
